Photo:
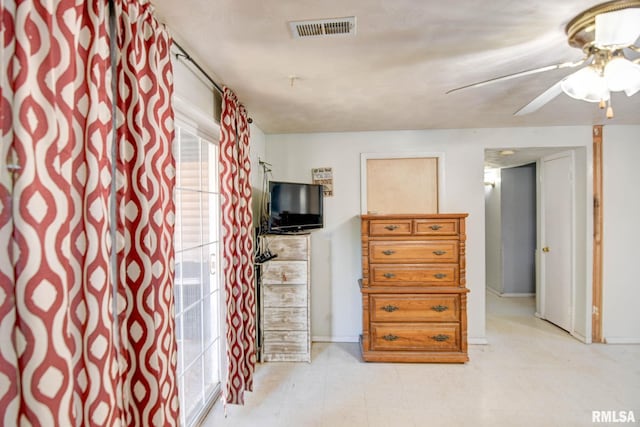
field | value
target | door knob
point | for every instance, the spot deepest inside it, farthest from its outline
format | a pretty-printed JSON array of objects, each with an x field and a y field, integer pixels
[{"x": 545, "y": 249}]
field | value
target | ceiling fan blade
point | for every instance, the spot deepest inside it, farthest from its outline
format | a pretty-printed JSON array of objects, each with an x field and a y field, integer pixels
[
  {"x": 619, "y": 28},
  {"x": 542, "y": 99},
  {"x": 522, "y": 74}
]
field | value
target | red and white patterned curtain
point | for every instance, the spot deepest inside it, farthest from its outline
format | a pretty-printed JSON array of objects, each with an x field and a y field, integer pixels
[
  {"x": 56, "y": 327},
  {"x": 65, "y": 359},
  {"x": 144, "y": 202},
  {"x": 237, "y": 226}
]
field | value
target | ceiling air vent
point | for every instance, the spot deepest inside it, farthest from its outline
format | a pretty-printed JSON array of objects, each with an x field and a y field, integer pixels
[{"x": 323, "y": 27}]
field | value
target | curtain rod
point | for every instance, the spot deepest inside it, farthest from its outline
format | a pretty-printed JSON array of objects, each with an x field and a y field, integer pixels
[{"x": 188, "y": 57}]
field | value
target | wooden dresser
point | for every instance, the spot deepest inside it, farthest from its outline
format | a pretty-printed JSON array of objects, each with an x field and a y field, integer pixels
[
  {"x": 284, "y": 300},
  {"x": 414, "y": 299}
]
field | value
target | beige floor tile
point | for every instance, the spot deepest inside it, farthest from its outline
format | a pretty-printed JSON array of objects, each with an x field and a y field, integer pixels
[{"x": 530, "y": 374}]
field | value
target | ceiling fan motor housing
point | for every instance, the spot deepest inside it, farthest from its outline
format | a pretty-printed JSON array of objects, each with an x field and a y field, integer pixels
[{"x": 581, "y": 29}]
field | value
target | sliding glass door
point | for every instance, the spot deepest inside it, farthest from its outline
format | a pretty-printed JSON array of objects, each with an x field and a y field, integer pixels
[{"x": 197, "y": 280}]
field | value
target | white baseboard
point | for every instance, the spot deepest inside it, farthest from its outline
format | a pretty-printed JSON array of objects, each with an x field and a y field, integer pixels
[
  {"x": 323, "y": 338},
  {"x": 477, "y": 341},
  {"x": 493, "y": 291},
  {"x": 621, "y": 340},
  {"x": 510, "y": 295},
  {"x": 580, "y": 337}
]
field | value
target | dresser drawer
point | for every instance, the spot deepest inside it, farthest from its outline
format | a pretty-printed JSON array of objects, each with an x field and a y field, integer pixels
[
  {"x": 414, "y": 308},
  {"x": 415, "y": 336},
  {"x": 288, "y": 247},
  {"x": 286, "y": 342},
  {"x": 283, "y": 272},
  {"x": 436, "y": 226},
  {"x": 383, "y": 227},
  {"x": 415, "y": 274},
  {"x": 413, "y": 251},
  {"x": 284, "y": 295},
  {"x": 285, "y": 318}
]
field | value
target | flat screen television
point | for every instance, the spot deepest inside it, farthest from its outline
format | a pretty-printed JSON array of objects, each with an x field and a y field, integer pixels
[{"x": 295, "y": 207}]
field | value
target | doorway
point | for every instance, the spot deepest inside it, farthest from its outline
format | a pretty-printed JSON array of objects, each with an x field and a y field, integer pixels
[
  {"x": 557, "y": 298},
  {"x": 510, "y": 245}
]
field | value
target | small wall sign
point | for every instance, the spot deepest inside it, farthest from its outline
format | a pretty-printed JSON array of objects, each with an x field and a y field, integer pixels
[{"x": 323, "y": 176}]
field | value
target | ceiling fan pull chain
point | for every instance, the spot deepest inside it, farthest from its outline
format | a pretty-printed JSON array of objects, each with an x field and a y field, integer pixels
[{"x": 610, "y": 110}]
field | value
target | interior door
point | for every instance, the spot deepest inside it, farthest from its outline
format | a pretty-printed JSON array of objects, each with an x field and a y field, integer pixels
[{"x": 557, "y": 235}]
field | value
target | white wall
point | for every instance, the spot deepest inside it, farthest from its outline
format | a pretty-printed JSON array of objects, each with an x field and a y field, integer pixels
[
  {"x": 336, "y": 306},
  {"x": 583, "y": 242},
  {"x": 191, "y": 89},
  {"x": 493, "y": 234},
  {"x": 257, "y": 152},
  {"x": 518, "y": 204},
  {"x": 621, "y": 234}
]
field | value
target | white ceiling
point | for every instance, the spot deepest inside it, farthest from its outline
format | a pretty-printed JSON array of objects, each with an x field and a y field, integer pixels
[{"x": 394, "y": 72}]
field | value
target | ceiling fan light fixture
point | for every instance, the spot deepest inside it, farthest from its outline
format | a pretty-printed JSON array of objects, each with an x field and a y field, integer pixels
[
  {"x": 617, "y": 28},
  {"x": 632, "y": 90},
  {"x": 622, "y": 75},
  {"x": 586, "y": 84}
]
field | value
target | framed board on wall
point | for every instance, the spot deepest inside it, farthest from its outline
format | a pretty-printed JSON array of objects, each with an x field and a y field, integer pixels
[{"x": 401, "y": 183}]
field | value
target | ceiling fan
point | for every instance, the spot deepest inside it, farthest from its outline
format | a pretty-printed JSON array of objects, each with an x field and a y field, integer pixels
[{"x": 606, "y": 34}]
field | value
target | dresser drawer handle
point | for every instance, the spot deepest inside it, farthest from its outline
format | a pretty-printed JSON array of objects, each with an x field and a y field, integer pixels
[
  {"x": 436, "y": 227},
  {"x": 439, "y": 276},
  {"x": 391, "y": 227},
  {"x": 439, "y": 252},
  {"x": 439, "y": 308},
  {"x": 389, "y": 252},
  {"x": 390, "y": 308},
  {"x": 390, "y": 337},
  {"x": 440, "y": 338},
  {"x": 389, "y": 275}
]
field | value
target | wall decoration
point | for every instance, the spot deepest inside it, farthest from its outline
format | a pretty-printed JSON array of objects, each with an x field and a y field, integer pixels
[{"x": 323, "y": 176}]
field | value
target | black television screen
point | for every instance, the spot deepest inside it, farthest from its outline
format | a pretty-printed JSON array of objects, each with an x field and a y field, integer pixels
[{"x": 294, "y": 207}]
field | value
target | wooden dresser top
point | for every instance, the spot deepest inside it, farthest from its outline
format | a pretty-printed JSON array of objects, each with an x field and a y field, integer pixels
[{"x": 415, "y": 216}]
